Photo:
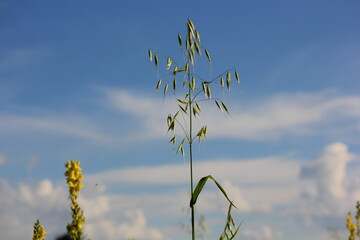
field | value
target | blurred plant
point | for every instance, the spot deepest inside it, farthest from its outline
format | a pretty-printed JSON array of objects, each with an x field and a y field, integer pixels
[
  {"x": 196, "y": 91},
  {"x": 230, "y": 229},
  {"x": 39, "y": 231},
  {"x": 73, "y": 178},
  {"x": 353, "y": 228}
]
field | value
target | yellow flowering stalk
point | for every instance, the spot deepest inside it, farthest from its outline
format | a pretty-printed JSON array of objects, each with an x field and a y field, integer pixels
[
  {"x": 358, "y": 218},
  {"x": 73, "y": 178},
  {"x": 39, "y": 231},
  {"x": 353, "y": 228}
]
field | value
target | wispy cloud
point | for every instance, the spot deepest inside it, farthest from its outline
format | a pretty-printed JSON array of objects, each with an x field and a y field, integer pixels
[
  {"x": 2, "y": 159},
  {"x": 61, "y": 125},
  {"x": 278, "y": 116},
  {"x": 16, "y": 59}
]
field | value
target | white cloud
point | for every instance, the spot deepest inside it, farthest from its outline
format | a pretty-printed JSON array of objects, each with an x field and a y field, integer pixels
[
  {"x": 132, "y": 225},
  {"x": 2, "y": 159},
  {"x": 329, "y": 171},
  {"x": 265, "y": 232},
  {"x": 65, "y": 126},
  {"x": 299, "y": 114},
  {"x": 283, "y": 114},
  {"x": 244, "y": 171},
  {"x": 21, "y": 206},
  {"x": 113, "y": 215}
]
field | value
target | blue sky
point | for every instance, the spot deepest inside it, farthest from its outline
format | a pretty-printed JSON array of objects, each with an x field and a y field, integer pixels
[{"x": 76, "y": 83}]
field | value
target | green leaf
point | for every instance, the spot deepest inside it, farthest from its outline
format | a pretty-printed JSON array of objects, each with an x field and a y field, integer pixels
[
  {"x": 158, "y": 84},
  {"x": 184, "y": 83},
  {"x": 201, "y": 185}
]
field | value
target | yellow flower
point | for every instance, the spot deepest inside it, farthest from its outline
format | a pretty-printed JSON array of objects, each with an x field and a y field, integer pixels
[{"x": 39, "y": 231}]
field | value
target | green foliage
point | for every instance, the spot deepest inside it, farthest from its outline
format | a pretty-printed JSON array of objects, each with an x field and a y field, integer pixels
[{"x": 196, "y": 90}]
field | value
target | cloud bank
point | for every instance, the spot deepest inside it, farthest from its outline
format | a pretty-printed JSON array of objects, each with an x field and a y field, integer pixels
[{"x": 314, "y": 191}]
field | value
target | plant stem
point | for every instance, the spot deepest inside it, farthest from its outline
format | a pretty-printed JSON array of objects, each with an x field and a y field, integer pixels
[{"x": 191, "y": 164}]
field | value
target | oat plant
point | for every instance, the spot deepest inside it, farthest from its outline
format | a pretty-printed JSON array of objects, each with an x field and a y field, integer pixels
[{"x": 195, "y": 91}]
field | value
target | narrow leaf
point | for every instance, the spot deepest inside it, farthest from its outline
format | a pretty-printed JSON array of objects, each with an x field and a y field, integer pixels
[
  {"x": 201, "y": 185},
  {"x": 184, "y": 83},
  {"x": 222, "y": 82}
]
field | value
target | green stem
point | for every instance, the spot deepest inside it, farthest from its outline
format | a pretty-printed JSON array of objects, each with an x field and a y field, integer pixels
[{"x": 191, "y": 164}]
